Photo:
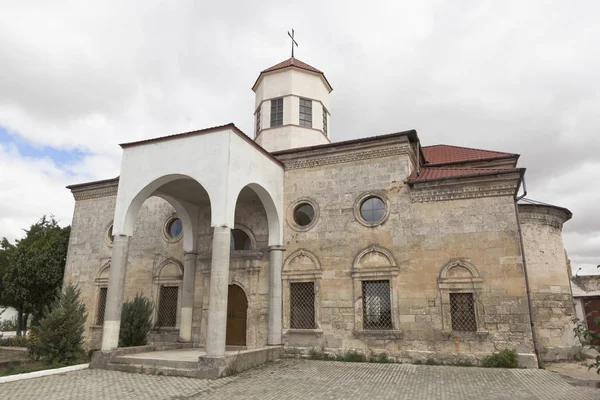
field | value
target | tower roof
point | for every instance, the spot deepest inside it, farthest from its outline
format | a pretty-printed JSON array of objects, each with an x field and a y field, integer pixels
[{"x": 292, "y": 63}]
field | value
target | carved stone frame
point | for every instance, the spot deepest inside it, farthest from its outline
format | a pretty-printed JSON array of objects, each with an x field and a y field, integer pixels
[
  {"x": 313, "y": 275},
  {"x": 99, "y": 283},
  {"x": 472, "y": 284},
  {"x": 384, "y": 272},
  {"x": 380, "y": 194},
  {"x": 158, "y": 281}
]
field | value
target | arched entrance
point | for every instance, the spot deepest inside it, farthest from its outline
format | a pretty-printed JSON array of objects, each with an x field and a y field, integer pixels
[{"x": 237, "y": 307}]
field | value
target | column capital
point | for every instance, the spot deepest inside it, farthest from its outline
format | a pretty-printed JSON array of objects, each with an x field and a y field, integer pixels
[{"x": 276, "y": 248}]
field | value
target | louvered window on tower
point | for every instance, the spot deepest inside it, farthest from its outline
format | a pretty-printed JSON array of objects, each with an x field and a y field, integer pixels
[
  {"x": 377, "y": 313},
  {"x": 302, "y": 305},
  {"x": 258, "y": 119},
  {"x": 167, "y": 306},
  {"x": 462, "y": 312},
  {"x": 276, "y": 112},
  {"x": 306, "y": 113},
  {"x": 324, "y": 120},
  {"x": 101, "y": 305}
]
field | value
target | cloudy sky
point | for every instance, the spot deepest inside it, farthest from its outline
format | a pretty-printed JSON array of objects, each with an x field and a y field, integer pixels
[{"x": 77, "y": 78}]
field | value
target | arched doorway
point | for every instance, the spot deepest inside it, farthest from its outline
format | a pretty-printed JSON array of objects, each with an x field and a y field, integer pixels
[{"x": 237, "y": 307}]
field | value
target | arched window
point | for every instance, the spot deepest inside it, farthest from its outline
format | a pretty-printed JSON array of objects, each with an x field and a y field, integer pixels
[
  {"x": 240, "y": 240},
  {"x": 168, "y": 280}
]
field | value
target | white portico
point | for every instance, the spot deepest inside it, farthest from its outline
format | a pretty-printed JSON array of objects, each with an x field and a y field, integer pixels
[{"x": 194, "y": 171}]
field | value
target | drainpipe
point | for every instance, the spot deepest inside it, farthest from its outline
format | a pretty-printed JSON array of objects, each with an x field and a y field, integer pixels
[{"x": 528, "y": 289}]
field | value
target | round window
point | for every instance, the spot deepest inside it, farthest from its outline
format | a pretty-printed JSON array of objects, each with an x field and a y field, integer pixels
[
  {"x": 372, "y": 209},
  {"x": 174, "y": 228},
  {"x": 304, "y": 214}
]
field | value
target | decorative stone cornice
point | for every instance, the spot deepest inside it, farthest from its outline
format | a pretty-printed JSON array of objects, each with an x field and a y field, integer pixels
[
  {"x": 543, "y": 215},
  {"x": 328, "y": 159},
  {"x": 443, "y": 193},
  {"x": 95, "y": 193}
]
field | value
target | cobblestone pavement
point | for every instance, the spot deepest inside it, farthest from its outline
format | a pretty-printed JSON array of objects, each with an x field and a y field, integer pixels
[{"x": 293, "y": 379}]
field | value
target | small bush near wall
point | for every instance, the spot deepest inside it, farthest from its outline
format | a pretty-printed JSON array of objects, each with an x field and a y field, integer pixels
[
  {"x": 505, "y": 359},
  {"x": 58, "y": 335},
  {"x": 136, "y": 321}
]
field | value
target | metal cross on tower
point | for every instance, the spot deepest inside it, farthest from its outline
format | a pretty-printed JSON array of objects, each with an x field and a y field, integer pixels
[{"x": 293, "y": 41}]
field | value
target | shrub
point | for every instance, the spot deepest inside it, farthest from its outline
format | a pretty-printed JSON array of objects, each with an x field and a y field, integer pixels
[
  {"x": 352, "y": 356},
  {"x": 381, "y": 358},
  {"x": 58, "y": 335},
  {"x": 136, "y": 321},
  {"x": 505, "y": 359},
  {"x": 14, "y": 341}
]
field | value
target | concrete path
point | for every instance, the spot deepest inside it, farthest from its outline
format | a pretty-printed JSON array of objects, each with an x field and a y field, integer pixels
[{"x": 293, "y": 379}]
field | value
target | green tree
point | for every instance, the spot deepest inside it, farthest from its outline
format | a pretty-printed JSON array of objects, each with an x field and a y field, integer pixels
[
  {"x": 35, "y": 269},
  {"x": 7, "y": 251},
  {"x": 136, "y": 321},
  {"x": 589, "y": 337},
  {"x": 58, "y": 335}
]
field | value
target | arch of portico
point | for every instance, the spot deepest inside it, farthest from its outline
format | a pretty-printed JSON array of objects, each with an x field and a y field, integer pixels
[{"x": 192, "y": 171}]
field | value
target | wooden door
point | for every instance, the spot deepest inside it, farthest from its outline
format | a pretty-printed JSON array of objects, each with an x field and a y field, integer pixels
[{"x": 237, "y": 306}]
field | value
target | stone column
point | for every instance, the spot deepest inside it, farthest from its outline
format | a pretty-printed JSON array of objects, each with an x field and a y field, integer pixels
[
  {"x": 114, "y": 296},
  {"x": 187, "y": 298},
  {"x": 219, "y": 287},
  {"x": 275, "y": 315}
]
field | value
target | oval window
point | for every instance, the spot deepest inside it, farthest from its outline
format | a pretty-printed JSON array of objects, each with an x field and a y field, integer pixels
[
  {"x": 175, "y": 228},
  {"x": 372, "y": 209},
  {"x": 304, "y": 214}
]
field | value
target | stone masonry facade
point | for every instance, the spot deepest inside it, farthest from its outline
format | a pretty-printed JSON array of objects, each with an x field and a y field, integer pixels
[{"x": 436, "y": 239}]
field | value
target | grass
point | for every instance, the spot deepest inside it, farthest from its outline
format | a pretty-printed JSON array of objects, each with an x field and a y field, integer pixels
[
  {"x": 29, "y": 365},
  {"x": 349, "y": 356}
]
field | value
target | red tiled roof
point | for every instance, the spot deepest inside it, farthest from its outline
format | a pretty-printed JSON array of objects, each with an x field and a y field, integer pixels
[
  {"x": 292, "y": 62},
  {"x": 435, "y": 173},
  {"x": 445, "y": 154}
]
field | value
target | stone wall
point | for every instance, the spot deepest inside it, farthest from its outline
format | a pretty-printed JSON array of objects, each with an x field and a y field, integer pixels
[
  {"x": 547, "y": 266},
  {"x": 419, "y": 237}
]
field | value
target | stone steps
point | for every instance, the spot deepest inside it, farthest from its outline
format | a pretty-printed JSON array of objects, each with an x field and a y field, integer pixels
[{"x": 160, "y": 370}]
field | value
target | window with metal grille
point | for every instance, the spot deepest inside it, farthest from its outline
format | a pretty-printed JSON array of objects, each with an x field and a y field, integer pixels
[
  {"x": 167, "y": 306},
  {"x": 101, "y": 305},
  {"x": 276, "y": 112},
  {"x": 302, "y": 305},
  {"x": 306, "y": 113},
  {"x": 258, "y": 119},
  {"x": 324, "y": 120},
  {"x": 462, "y": 312},
  {"x": 377, "y": 313}
]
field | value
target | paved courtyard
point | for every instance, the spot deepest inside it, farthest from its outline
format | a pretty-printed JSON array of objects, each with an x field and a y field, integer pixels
[{"x": 293, "y": 379}]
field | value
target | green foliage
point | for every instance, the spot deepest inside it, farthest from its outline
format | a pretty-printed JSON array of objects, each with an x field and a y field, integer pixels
[
  {"x": 14, "y": 341},
  {"x": 8, "y": 325},
  {"x": 505, "y": 359},
  {"x": 58, "y": 335},
  {"x": 136, "y": 321},
  {"x": 588, "y": 336},
  {"x": 457, "y": 363},
  {"x": 352, "y": 356},
  {"x": 32, "y": 271},
  {"x": 381, "y": 358}
]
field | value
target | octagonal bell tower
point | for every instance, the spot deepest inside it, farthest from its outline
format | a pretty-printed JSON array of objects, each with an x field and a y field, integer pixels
[{"x": 291, "y": 107}]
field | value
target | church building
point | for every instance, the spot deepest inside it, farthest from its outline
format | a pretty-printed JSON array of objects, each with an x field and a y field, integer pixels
[{"x": 293, "y": 239}]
